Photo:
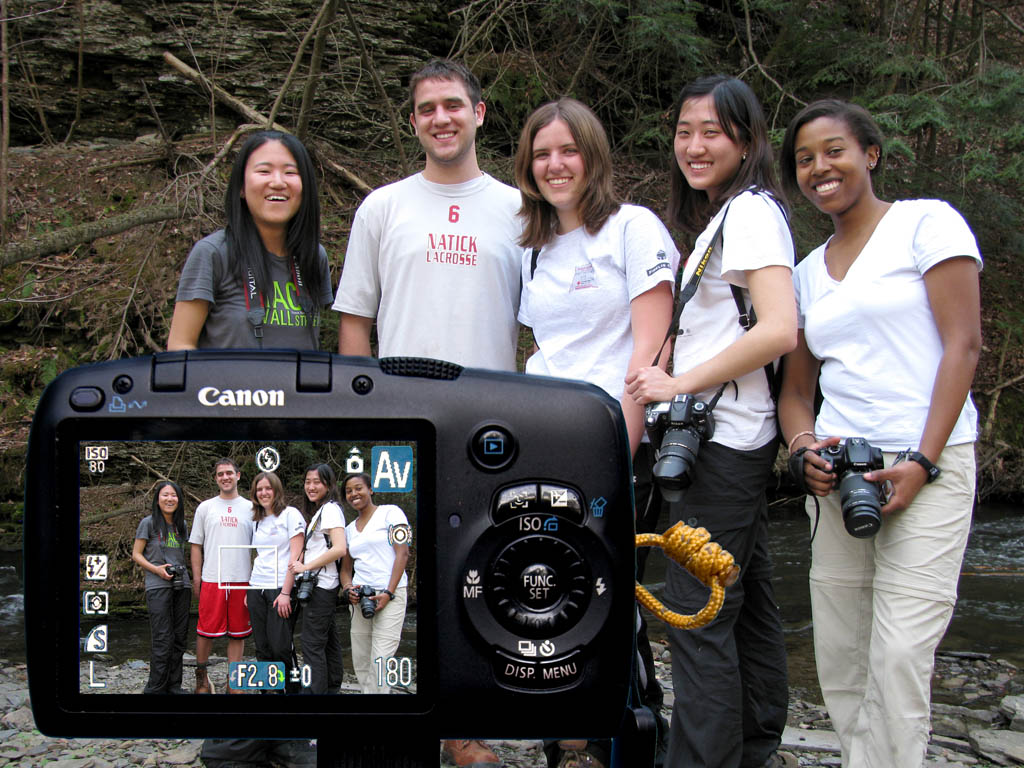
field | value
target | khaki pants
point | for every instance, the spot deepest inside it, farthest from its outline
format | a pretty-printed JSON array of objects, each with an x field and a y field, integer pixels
[
  {"x": 377, "y": 638},
  {"x": 880, "y": 608}
]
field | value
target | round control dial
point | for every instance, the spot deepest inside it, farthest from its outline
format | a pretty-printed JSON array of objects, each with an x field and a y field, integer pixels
[{"x": 540, "y": 587}]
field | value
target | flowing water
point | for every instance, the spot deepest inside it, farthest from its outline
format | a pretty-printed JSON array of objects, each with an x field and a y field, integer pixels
[{"x": 988, "y": 616}]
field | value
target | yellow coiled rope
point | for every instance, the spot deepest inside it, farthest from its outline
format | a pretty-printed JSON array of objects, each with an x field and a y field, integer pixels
[{"x": 693, "y": 549}]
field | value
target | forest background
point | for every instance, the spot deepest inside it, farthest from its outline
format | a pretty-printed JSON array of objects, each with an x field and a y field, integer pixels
[{"x": 120, "y": 117}]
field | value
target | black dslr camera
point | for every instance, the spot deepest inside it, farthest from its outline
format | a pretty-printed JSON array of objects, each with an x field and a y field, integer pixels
[
  {"x": 305, "y": 582},
  {"x": 860, "y": 499},
  {"x": 367, "y": 607},
  {"x": 520, "y": 613},
  {"x": 677, "y": 428},
  {"x": 177, "y": 575}
]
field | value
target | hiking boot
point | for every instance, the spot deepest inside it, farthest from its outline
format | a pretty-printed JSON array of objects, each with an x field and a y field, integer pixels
[
  {"x": 468, "y": 753},
  {"x": 203, "y": 684}
]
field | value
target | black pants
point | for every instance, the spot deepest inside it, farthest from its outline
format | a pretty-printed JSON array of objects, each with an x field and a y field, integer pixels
[
  {"x": 647, "y": 505},
  {"x": 731, "y": 686},
  {"x": 262, "y": 753},
  {"x": 168, "y": 627},
  {"x": 271, "y": 634},
  {"x": 321, "y": 648}
]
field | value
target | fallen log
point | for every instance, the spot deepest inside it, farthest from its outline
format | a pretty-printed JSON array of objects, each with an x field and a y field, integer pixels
[{"x": 66, "y": 238}]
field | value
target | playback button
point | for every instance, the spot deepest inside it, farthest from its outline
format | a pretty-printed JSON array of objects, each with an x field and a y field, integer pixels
[{"x": 492, "y": 447}]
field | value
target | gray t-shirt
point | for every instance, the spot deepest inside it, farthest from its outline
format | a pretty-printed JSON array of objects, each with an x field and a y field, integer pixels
[
  {"x": 209, "y": 275},
  {"x": 160, "y": 550}
]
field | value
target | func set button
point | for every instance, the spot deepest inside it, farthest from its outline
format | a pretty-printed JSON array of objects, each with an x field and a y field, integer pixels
[{"x": 538, "y": 675}]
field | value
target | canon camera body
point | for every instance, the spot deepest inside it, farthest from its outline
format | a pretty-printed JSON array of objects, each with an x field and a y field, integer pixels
[{"x": 518, "y": 495}]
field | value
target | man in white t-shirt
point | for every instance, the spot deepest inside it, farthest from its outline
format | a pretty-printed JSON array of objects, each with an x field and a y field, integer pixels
[
  {"x": 221, "y": 562},
  {"x": 433, "y": 258}
]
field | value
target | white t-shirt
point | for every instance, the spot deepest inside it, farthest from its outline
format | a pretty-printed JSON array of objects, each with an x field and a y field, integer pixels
[
  {"x": 577, "y": 301},
  {"x": 224, "y": 529},
  {"x": 438, "y": 266},
  {"x": 327, "y": 517},
  {"x": 372, "y": 555},
  {"x": 756, "y": 235},
  {"x": 874, "y": 331},
  {"x": 272, "y": 539}
]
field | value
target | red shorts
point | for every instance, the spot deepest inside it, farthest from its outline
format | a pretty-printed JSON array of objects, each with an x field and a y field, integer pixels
[{"x": 223, "y": 611}]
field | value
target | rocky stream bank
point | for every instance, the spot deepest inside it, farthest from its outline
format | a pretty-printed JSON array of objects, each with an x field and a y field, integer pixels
[{"x": 977, "y": 722}]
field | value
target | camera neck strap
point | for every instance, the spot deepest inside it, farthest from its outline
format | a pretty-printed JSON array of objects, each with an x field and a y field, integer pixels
[
  {"x": 310, "y": 530},
  {"x": 747, "y": 318},
  {"x": 255, "y": 307},
  {"x": 688, "y": 291}
]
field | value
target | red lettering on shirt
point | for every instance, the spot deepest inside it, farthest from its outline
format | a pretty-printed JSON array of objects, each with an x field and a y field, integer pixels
[{"x": 451, "y": 249}]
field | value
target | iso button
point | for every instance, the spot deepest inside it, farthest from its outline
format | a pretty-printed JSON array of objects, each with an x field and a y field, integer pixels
[
  {"x": 561, "y": 501},
  {"x": 492, "y": 448}
]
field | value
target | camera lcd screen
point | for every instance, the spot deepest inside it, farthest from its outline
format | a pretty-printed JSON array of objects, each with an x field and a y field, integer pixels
[{"x": 138, "y": 629}]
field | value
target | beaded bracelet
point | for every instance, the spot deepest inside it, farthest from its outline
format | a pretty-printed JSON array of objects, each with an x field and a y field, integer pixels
[{"x": 797, "y": 436}]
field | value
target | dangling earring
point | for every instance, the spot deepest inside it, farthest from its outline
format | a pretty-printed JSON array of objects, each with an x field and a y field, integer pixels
[{"x": 744, "y": 157}]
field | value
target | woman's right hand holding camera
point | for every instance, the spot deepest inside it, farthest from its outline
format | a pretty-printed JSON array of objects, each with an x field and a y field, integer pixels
[
  {"x": 164, "y": 571},
  {"x": 818, "y": 475}
]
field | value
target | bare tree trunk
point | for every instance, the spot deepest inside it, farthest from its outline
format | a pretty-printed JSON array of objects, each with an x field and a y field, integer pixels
[
  {"x": 314, "y": 70},
  {"x": 364, "y": 55},
  {"x": 81, "y": 60},
  {"x": 295, "y": 62},
  {"x": 5, "y": 130}
]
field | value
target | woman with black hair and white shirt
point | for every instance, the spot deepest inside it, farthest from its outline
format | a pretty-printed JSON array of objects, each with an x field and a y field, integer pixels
[
  {"x": 730, "y": 676},
  {"x": 325, "y": 544},
  {"x": 890, "y": 326}
]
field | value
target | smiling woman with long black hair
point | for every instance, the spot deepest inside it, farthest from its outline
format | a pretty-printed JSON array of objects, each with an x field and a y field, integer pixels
[
  {"x": 263, "y": 279},
  {"x": 160, "y": 550},
  {"x": 730, "y": 676}
]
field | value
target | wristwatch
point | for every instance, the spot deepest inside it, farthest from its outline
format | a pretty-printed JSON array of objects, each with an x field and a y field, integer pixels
[{"x": 931, "y": 469}]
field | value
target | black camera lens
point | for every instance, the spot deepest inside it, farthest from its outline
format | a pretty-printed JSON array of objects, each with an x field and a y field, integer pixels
[
  {"x": 862, "y": 510},
  {"x": 673, "y": 472},
  {"x": 177, "y": 577},
  {"x": 367, "y": 607},
  {"x": 305, "y": 582}
]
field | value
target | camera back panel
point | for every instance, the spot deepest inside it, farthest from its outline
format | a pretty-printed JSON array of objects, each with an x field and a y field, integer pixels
[{"x": 518, "y": 494}]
